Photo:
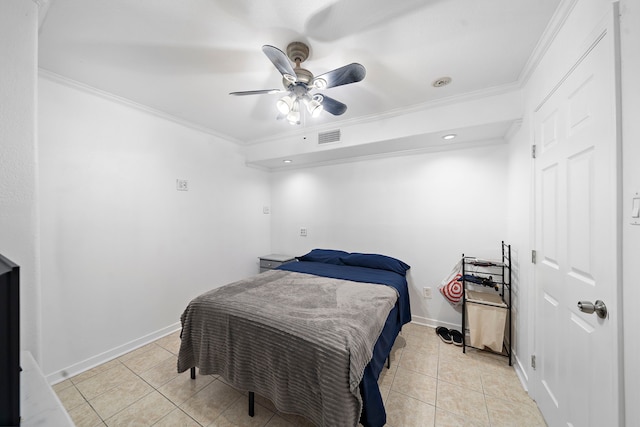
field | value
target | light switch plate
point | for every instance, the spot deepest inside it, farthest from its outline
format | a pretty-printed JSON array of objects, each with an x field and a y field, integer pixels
[{"x": 182, "y": 185}]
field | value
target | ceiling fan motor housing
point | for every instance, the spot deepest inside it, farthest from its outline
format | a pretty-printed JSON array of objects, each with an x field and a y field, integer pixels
[
  {"x": 297, "y": 52},
  {"x": 302, "y": 76}
]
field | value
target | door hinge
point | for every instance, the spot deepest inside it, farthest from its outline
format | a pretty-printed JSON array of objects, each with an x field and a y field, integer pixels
[
  {"x": 534, "y": 256},
  {"x": 533, "y": 151},
  {"x": 533, "y": 361}
]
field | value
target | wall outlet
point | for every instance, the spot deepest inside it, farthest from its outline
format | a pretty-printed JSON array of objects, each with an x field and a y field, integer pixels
[
  {"x": 303, "y": 231},
  {"x": 426, "y": 292},
  {"x": 266, "y": 210}
]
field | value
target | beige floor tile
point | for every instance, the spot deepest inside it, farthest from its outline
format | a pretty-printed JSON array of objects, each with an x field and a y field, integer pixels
[
  {"x": 207, "y": 404},
  {"x": 84, "y": 416},
  {"x": 237, "y": 416},
  {"x": 424, "y": 362},
  {"x": 447, "y": 419},
  {"x": 414, "y": 328},
  {"x": 463, "y": 402},
  {"x": 62, "y": 385},
  {"x": 460, "y": 371},
  {"x": 119, "y": 397},
  {"x": 147, "y": 360},
  {"x": 138, "y": 351},
  {"x": 105, "y": 381},
  {"x": 94, "y": 371},
  {"x": 404, "y": 411},
  {"x": 396, "y": 351},
  {"x": 507, "y": 414},
  {"x": 424, "y": 338},
  {"x": 505, "y": 386},
  {"x": 416, "y": 385},
  {"x": 386, "y": 376},
  {"x": 70, "y": 397},
  {"x": 468, "y": 389},
  {"x": 177, "y": 418},
  {"x": 384, "y": 392},
  {"x": 162, "y": 373},
  {"x": 182, "y": 387},
  {"x": 450, "y": 352},
  {"x": 145, "y": 412},
  {"x": 170, "y": 343}
]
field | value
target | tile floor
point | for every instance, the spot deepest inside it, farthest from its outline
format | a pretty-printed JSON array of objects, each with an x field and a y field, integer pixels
[{"x": 430, "y": 383}]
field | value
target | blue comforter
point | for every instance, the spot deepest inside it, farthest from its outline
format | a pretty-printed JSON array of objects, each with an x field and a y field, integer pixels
[{"x": 373, "y": 413}]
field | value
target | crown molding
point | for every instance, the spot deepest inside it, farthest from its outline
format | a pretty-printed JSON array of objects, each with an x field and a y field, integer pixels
[
  {"x": 468, "y": 145},
  {"x": 57, "y": 78},
  {"x": 549, "y": 34}
]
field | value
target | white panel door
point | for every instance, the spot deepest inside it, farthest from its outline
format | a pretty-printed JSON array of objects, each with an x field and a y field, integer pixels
[{"x": 577, "y": 239}]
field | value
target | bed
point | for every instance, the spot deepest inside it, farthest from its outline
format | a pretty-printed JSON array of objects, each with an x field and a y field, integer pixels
[{"x": 312, "y": 336}]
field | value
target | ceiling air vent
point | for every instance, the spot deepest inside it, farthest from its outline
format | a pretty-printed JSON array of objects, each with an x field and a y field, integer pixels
[{"x": 329, "y": 136}]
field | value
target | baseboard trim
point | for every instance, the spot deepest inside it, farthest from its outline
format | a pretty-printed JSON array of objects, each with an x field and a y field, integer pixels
[
  {"x": 521, "y": 373},
  {"x": 92, "y": 362},
  {"x": 433, "y": 323}
]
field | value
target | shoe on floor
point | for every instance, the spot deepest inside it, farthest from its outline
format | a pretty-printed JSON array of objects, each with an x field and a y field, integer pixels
[
  {"x": 456, "y": 337},
  {"x": 444, "y": 334}
]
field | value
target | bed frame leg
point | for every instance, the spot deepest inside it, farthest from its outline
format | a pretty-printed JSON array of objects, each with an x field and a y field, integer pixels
[
  {"x": 251, "y": 404},
  {"x": 193, "y": 373},
  {"x": 389, "y": 362}
]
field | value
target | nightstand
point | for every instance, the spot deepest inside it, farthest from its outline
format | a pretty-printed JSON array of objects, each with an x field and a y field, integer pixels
[{"x": 270, "y": 262}]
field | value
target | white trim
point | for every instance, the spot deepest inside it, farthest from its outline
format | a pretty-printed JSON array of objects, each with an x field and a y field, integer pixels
[
  {"x": 494, "y": 142},
  {"x": 92, "y": 362},
  {"x": 513, "y": 129},
  {"x": 49, "y": 75},
  {"x": 554, "y": 26},
  {"x": 521, "y": 372},
  {"x": 433, "y": 323}
]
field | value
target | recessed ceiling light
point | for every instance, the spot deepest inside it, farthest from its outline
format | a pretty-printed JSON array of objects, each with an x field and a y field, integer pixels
[
  {"x": 287, "y": 161},
  {"x": 449, "y": 136},
  {"x": 442, "y": 81}
]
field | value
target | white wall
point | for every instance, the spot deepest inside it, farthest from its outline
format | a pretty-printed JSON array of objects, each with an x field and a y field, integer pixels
[
  {"x": 425, "y": 209},
  {"x": 123, "y": 251},
  {"x": 630, "y": 51},
  {"x": 519, "y": 209},
  {"x": 18, "y": 190}
]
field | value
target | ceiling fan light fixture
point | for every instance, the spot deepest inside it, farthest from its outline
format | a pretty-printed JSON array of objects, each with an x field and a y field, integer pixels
[
  {"x": 285, "y": 104},
  {"x": 313, "y": 105},
  {"x": 320, "y": 83},
  {"x": 315, "y": 108},
  {"x": 294, "y": 115}
]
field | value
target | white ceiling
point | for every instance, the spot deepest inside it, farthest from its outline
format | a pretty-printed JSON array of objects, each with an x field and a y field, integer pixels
[{"x": 183, "y": 57}]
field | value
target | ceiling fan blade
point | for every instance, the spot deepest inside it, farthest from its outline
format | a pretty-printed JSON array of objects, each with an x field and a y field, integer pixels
[
  {"x": 332, "y": 106},
  {"x": 257, "y": 92},
  {"x": 280, "y": 60},
  {"x": 351, "y": 73}
]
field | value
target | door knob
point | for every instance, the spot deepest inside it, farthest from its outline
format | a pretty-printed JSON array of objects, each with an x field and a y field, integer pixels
[{"x": 588, "y": 307}]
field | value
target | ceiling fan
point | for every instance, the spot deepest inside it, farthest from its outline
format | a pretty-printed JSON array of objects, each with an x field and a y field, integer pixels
[{"x": 299, "y": 82}]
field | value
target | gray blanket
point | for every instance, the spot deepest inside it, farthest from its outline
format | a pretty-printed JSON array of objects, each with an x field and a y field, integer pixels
[{"x": 300, "y": 340}]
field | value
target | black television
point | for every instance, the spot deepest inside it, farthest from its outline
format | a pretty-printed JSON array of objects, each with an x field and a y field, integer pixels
[{"x": 9, "y": 343}]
